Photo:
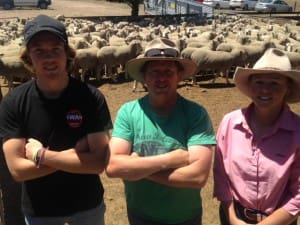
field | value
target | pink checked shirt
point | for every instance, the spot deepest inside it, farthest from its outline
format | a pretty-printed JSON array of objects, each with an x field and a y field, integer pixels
[{"x": 263, "y": 175}]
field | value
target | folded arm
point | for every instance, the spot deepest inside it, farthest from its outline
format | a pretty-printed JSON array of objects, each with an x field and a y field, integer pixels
[
  {"x": 278, "y": 217},
  {"x": 88, "y": 156},
  {"x": 193, "y": 175},
  {"x": 123, "y": 164},
  {"x": 20, "y": 167}
]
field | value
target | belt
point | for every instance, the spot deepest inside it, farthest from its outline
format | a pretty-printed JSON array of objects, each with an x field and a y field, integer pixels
[{"x": 249, "y": 215}]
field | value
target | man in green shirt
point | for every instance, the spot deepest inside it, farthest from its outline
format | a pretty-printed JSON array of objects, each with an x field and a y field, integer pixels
[{"x": 161, "y": 145}]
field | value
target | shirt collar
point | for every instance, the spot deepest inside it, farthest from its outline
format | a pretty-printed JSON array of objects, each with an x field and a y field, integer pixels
[{"x": 285, "y": 120}]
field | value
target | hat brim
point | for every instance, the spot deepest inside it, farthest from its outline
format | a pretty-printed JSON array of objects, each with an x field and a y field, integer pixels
[
  {"x": 134, "y": 66},
  {"x": 241, "y": 79}
]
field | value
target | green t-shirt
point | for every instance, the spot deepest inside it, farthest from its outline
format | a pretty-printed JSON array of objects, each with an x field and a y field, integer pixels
[{"x": 153, "y": 134}]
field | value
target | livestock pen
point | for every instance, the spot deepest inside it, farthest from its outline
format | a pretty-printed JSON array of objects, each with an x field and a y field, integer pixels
[{"x": 218, "y": 98}]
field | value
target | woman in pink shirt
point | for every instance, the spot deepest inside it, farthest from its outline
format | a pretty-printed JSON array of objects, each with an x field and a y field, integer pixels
[{"x": 257, "y": 160}]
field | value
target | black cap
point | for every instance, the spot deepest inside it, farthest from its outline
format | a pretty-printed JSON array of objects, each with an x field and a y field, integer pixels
[{"x": 44, "y": 23}]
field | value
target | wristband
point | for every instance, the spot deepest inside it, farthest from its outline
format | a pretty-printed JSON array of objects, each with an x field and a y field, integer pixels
[
  {"x": 42, "y": 155},
  {"x": 36, "y": 156}
]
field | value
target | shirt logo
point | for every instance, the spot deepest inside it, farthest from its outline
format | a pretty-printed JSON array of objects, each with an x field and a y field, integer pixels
[{"x": 74, "y": 118}]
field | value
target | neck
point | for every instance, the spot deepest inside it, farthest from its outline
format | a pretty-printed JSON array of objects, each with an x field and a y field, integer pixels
[
  {"x": 262, "y": 120},
  {"x": 53, "y": 88},
  {"x": 266, "y": 117},
  {"x": 163, "y": 106}
]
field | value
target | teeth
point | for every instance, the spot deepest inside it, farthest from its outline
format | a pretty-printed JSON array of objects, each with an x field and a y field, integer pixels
[
  {"x": 50, "y": 68},
  {"x": 161, "y": 85},
  {"x": 265, "y": 98}
]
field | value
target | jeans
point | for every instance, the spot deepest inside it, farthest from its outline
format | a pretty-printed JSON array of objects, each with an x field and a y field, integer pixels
[
  {"x": 136, "y": 220},
  {"x": 89, "y": 217}
]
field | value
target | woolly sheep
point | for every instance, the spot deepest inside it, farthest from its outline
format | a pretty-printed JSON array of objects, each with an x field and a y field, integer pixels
[
  {"x": 11, "y": 67},
  {"x": 295, "y": 59},
  {"x": 117, "y": 56},
  {"x": 218, "y": 62},
  {"x": 86, "y": 61}
]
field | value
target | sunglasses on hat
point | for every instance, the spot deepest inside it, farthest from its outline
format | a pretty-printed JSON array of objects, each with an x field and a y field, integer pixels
[{"x": 167, "y": 52}]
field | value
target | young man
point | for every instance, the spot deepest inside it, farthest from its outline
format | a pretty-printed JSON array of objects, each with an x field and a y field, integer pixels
[
  {"x": 162, "y": 143},
  {"x": 55, "y": 133}
]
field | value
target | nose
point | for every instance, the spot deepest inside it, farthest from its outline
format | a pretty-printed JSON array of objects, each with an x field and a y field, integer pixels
[
  {"x": 266, "y": 87},
  {"x": 48, "y": 55},
  {"x": 159, "y": 76}
]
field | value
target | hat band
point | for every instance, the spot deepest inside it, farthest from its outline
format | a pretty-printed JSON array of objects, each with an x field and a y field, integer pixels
[{"x": 167, "y": 52}]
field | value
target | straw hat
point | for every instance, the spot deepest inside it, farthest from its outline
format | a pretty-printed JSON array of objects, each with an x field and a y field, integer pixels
[
  {"x": 159, "y": 49},
  {"x": 273, "y": 61}
]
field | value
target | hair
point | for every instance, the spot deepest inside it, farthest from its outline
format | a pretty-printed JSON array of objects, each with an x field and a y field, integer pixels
[{"x": 70, "y": 52}]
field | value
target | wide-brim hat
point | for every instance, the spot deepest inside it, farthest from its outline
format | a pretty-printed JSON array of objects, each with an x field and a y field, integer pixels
[
  {"x": 44, "y": 23},
  {"x": 272, "y": 61},
  {"x": 157, "y": 50}
]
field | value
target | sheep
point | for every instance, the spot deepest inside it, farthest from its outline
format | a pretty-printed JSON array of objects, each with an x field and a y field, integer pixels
[
  {"x": 86, "y": 60},
  {"x": 255, "y": 50},
  {"x": 116, "y": 41},
  {"x": 1, "y": 95},
  {"x": 225, "y": 47},
  {"x": 187, "y": 52},
  {"x": 99, "y": 43},
  {"x": 125, "y": 53},
  {"x": 79, "y": 43},
  {"x": 295, "y": 59},
  {"x": 230, "y": 34},
  {"x": 113, "y": 56},
  {"x": 135, "y": 82},
  {"x": 218, "y": 61},
  {"x": 12, "y": 67}
]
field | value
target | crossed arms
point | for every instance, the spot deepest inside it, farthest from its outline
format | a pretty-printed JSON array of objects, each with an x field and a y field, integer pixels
[
  {"x": 87, "y": 156},
  {"x": 178, "y": 168}
]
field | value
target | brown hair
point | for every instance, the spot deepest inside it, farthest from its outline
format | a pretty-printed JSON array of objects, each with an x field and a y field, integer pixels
[{"x": 70, "y": 52}]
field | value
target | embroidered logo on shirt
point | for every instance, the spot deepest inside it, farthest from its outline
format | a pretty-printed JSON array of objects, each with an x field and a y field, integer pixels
[{"x": 74, "y": 118}]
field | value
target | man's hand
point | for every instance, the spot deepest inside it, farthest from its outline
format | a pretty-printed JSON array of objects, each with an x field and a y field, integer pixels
[{"x": 31, "y": 147}]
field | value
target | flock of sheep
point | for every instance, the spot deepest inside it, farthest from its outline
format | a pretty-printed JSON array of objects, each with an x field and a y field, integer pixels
[{"x": 217, "y": 46}]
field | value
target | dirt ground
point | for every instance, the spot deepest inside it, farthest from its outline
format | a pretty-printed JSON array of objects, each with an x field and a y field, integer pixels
[{"x": 217, "y": 98}]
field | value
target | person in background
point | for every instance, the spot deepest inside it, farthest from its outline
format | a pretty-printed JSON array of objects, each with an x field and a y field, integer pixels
[
  {"x": 55, "y": 133},
  {"x": 162, "y": 143},
  {"x": 257, "y": 159}
]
